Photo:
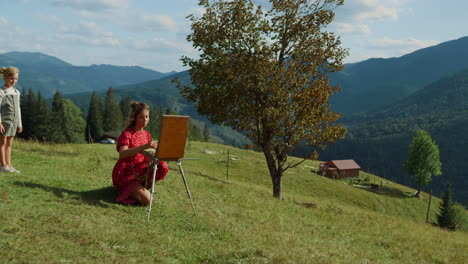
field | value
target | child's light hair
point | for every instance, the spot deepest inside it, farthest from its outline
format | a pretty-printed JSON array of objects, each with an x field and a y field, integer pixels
[{"x": 8, "y": 72}]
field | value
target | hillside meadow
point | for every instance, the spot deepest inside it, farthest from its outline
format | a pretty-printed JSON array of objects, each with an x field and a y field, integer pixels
[{"x": 61, "y": 209}]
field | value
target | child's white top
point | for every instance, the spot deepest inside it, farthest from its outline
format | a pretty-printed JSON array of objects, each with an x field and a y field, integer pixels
[{"x": 12, "y": 91}]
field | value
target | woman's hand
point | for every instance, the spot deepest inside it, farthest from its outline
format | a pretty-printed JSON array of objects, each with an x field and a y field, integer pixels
[
  {"x": 2, "y": 129},
  {"x": 20, "y": 129},
  {"x": 152, "y": 144},
  {"x": 125, "y": 152}
]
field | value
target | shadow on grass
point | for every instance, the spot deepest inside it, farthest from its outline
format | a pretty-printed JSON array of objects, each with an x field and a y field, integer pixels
[
  {"x": 209, "y": 177},
  {"x": 387, "y": 191},
  {"x": 99, "y": 197}
]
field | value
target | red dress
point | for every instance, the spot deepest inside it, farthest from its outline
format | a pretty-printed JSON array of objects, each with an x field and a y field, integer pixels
[{"x": 123, "y": 174}]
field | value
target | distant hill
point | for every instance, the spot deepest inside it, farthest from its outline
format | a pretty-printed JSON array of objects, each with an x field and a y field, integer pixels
[
  {"x": 380, "y": 140},
  {"x": 375, "y": 83},
  {"x": 35, "y": 60},
  {"x": 47, "y": 74}
]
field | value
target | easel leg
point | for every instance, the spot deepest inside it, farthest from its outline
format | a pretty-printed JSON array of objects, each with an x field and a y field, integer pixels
[
  {"x": 152, "y": 187},
  {"x": 179, "y": 164}
]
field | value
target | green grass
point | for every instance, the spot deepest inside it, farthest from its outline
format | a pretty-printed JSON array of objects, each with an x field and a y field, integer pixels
[{"x": 61, "y": 209}]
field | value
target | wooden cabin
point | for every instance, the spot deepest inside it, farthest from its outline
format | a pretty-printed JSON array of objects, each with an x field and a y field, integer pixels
[{"x": 339, "y": 169}]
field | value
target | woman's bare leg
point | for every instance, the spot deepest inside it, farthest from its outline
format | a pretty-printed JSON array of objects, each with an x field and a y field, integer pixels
[{"x": 141, "y": 194}]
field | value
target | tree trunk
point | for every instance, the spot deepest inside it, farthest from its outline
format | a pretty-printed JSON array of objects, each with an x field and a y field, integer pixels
[
  {"x": 276, "y": 180},
  {"x": 417, "y": 193},
  {"x": 275, "y": 173}
]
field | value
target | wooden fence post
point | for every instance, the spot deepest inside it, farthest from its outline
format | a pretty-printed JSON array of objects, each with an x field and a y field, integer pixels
[
  {"x": 227, "y": 166},
  {"x": 428, "y": 207}
]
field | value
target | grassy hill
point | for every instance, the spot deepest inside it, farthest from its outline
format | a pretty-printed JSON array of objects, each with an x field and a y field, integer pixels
[{"x": 61, "y": 209}]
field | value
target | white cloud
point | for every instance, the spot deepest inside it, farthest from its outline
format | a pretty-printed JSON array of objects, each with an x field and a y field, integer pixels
[
  {"x": 377, "y": 10},
  {"x": 356, "y": 17},
  {"x": 58, "y": 23},
  {"x": 88, "y": 32},
  {"x": 369, "y": 10},
  {"x": 90, "y": 28},
  {"x": 120, "y": 12},
  {"x": 196, "y": 11},
  {"x": 154, "y": 22},
  {"x": 49, "y": 18},
  {"x": 409, "y": 44},
  {"x": 162, "y": 46},
  {"x": 3, "y": 20},
  {"x": 348, "y": 28},
  {"x": 91, "y": 6},
  {"x": 94, "y": 41}
]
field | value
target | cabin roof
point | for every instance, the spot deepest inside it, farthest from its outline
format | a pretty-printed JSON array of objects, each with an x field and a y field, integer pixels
[{"x": 345, "y": 164}]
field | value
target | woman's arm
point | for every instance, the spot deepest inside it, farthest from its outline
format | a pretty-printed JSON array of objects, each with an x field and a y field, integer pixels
[{"x": 125, "y": 152}]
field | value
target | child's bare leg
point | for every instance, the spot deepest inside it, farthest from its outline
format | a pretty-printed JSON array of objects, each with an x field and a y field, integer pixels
[
  {"x": 9, "y": 142},
  {"x": 141, "y": 194},
  {"x": 3, "y": 142}
]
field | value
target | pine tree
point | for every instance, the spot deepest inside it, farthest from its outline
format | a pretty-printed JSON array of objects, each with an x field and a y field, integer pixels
[
  {"x": 160, "y": 112},
  {"x": 57, "y": 121},
  {"x": 206, "y": 133},
  {"x": 154, "y": 122},
  {"x": 41, "y": 123},
  {"x": 29, "y": 123},
  {"x": 25, "y": 115},
  {"x": 124, "y": 105},
  {"x": 423, "y": 159},
  {"x": 194, "y": 133},
  {"x": 75, "y": 124},
  {"x": 94, "y": 129},
  {"x": 112, "y": 113},
  {"x": 447, "y": 217}
]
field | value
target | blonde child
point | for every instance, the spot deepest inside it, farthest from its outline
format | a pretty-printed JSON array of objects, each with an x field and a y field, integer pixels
[{"x": 10, "y": 116}]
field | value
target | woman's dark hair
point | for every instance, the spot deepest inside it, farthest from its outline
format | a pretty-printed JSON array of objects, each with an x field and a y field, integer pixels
[{"x": 136, "y": 109}]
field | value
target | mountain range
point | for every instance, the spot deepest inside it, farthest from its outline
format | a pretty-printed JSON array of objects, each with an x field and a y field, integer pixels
[
  {"x": 383, "y": 102},
  {"x": 47, "y": 74},
  {"x": 373, "y": 83}
]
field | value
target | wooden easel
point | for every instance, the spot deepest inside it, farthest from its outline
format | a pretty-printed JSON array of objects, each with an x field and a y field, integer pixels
[{"x": 171, "y": 147}]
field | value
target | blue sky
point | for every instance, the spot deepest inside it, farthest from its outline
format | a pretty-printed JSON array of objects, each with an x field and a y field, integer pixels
[{"x": 151, "y": 33}]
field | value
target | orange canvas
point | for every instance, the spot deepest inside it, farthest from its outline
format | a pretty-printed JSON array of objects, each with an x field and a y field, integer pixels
[{"x": 172, "y": 137}]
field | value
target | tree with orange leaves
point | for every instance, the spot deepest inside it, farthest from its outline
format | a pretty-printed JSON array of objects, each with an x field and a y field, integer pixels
[{"x": 264, "y": 73}]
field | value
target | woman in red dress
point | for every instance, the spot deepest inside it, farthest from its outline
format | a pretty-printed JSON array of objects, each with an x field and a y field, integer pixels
[{"x": 130, "y": 145}]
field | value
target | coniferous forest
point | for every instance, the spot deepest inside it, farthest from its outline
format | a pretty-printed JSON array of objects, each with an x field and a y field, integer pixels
[{"x": 62, "y": 121}]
